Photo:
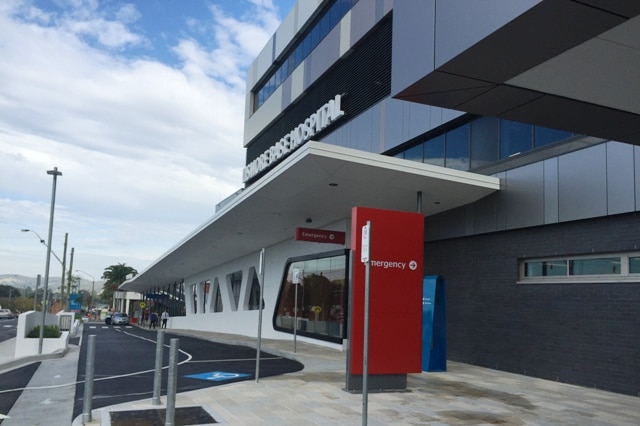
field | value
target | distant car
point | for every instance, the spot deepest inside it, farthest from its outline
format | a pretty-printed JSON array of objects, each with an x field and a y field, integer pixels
[
  {"x": 119, "y": 318},
  {"x": 6, "y": 314}
]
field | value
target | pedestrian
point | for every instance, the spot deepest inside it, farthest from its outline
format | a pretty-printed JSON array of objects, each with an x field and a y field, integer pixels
[
  {"x": 153, "y": 320},
  {"x": 164, "y": 317}
]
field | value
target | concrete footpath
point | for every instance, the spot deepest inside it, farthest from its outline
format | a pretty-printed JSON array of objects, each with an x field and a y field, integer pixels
[{"x": 464, "y": 395}]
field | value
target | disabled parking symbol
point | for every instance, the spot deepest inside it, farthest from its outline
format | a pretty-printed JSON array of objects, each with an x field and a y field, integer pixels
[{"x": 217, "y": 376}]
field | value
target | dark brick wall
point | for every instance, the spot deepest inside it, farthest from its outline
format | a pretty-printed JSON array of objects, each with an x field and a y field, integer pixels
[{"x": 578, "y": 333}]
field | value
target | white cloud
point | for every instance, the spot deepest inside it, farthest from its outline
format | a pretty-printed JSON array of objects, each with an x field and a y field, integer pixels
[
  {"x": 108, "y": 33},
  {"x": 146, "y": 149}
]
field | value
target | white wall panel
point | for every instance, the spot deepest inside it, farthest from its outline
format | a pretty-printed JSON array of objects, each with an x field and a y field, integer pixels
[
  {"x": 245, "y": 322},
  {"x": 261, "y": 64},
  {"x": 286, "y": 31},
  {"x": 345, "y": 34}
]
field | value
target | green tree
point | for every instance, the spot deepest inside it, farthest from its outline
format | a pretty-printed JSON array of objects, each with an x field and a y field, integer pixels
[
  {"x": 22, "y": 304},
  {"x": 114, "y": 276}
]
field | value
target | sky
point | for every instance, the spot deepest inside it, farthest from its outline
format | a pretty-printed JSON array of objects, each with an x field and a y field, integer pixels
[{"x": 139, "y": 104}]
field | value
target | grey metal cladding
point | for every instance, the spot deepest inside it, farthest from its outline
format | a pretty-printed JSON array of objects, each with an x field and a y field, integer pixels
[
  {"x": 551, "y": 190},
  {"x": 620, "y": 178},
  {"x": 525, "y": 204},
  {"x": 582, "y": 184}
]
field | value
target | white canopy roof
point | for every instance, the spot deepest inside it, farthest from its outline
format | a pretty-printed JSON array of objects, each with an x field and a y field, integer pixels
[{"x": 320, "y": 182}]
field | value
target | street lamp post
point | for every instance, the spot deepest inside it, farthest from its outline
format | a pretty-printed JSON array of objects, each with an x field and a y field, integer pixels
[
  {"x": 62, "y": 262},
  {"x": 43, "y": 243},
  {"x": 55, "y": 173}
]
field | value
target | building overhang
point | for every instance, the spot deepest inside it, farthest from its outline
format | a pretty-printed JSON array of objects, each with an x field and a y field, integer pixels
[
  {"x": 320, "y": 183},
  {"x": 570, "y": 65}
]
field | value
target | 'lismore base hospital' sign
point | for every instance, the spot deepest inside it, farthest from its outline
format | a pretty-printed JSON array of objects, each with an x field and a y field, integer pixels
[{"x": 316, "y": 122}]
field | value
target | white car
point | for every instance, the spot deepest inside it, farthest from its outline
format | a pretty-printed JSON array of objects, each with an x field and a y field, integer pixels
[{"x": 6, "y": 314}]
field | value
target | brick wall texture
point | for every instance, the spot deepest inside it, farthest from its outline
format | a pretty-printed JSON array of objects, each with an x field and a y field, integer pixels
[{"x": 579, "y": 333}]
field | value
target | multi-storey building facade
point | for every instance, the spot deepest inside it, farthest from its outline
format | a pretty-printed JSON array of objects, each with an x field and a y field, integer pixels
[{"x": 511, "y": 125}]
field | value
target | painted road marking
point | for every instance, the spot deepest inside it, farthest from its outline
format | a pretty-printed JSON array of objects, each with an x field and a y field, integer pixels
[{"x": 217, "y": 376}]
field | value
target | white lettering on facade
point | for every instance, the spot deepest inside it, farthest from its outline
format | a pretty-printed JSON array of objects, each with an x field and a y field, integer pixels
[
  {"x": 387, "y": 264},
  {"x": 306, "y": 234},
  {"x": 315, "y": 123}
]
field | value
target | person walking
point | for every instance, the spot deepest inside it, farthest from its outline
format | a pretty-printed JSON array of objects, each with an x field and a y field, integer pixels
[
  {"x": 153, "y": 320},
  {"x": 164, "y": 317}
]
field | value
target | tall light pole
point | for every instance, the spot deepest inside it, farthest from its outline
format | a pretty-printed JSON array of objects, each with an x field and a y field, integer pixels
[{"x": 55, "y": 173}]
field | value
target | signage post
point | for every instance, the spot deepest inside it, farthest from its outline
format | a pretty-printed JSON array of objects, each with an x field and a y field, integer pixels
[
  {"x": 296, "y": 282},
  {"x": 365, "y": 258},
  {"x": 261, "y": 274}
]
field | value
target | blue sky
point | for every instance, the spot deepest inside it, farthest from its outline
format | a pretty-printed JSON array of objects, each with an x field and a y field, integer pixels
[{"x": 140, "y": 104}]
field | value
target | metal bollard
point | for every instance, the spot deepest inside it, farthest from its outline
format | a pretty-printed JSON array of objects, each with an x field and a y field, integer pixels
[
  {"x": 157, "y": 376},
  {"x": 88, "y": 379},
  {"x": 172, "y": 381}
]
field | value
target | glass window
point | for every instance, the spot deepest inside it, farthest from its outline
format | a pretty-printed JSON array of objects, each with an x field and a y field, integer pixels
[
  {"x": 312, "y": 297},
  {"x": 315, "y": 37},
  {"x": 270, "y": 86},
  {"x": 217, "y": 298},
  {"x": 515, "y": 138},
  {"x": 254, "y": 295},
  {"x": 323, "y": 26},
  {"x": 434, "y": 151},
  {"x": 298, "y": 56},
  {"x": 599, "y": 266},
  {"x": 277, "y": 79},
  {"x": 334, "y": 14},
  {"x": 260, "y": 97},
  {"x": 345, "y": 6},
  {"x": 545, "y": 136},
  {"x": 306, "y": 46},
  {"x": 485, "y": 141},
  {"x": 235, "y": 282},
  {"x": 194, "y": 291},
  {"x": 619, "y": 267},
  {"x": 414, "y": 154},
  {"x": 457, "y": 148},
  {"x": 545, "y": 268},
  {"x": 291, "y": 65},
  {"x": 205, "y": 291}
]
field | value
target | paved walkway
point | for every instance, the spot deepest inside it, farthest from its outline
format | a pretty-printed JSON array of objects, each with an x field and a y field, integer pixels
[{"x": 464, "y": 395}]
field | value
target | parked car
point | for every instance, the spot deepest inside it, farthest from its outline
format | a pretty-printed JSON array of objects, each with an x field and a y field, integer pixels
[
  {"x": 6, "y": 314},
  {"x": 119, "y": 318}
]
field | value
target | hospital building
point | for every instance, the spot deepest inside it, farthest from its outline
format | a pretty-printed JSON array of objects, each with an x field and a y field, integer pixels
[{"x": 511, "y": 126}]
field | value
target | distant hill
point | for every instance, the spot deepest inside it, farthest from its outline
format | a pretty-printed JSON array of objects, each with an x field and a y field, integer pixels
[{"x": 22, "y": 281}]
